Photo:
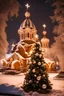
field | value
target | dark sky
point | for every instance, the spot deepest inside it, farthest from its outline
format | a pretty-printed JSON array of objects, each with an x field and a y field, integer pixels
[{"x": 40, "y": 12}]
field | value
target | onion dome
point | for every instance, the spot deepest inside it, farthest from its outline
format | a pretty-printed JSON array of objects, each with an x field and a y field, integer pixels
[
  {"x": 27, "y": 22},
  {"x": 27, "y": 29},
  {"x": 45, "y": 41}
]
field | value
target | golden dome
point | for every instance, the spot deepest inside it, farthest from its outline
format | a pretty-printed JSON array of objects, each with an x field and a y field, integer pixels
[
  {"x": 45, "y": 40},
  {"x": 27, "y": 23}
]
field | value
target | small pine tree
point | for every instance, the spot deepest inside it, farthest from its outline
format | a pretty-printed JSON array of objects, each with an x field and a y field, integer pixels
[{"x": 37, "y": 78}]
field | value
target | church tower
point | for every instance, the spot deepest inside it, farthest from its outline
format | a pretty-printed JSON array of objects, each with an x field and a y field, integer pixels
[
  {"x": 27, "y": 30},
  {"x": 45, "y": 41}
]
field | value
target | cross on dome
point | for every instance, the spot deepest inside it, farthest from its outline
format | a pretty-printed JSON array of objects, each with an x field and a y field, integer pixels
[
  {"x": 27, "y": 5},
  {"x": 44, "y": 26},
  {"x": 44, "y": 32}
]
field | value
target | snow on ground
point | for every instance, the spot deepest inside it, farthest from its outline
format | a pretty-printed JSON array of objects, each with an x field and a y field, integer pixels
[
  {"x": 58, "y": 84},
  {"x": 17, "y": 80},
  {"x": 12, "y": 79}
]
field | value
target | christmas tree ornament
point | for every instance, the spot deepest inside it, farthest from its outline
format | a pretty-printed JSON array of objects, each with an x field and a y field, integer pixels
[
  {"x": 33, "y": 70},
  {"x": 34, "y": 62},
  {"x": 30, "y": 81},
  {"x": 30, "y": 62},
  {"x": 44, "y": 86},
  {"x": 36, "y": 54},
  {"x": 35, "y": 75},
  {"x": 37, "y": 82},
  {"x": 38, "y": 78},
  {"x": 43, "y": 75},
  {"x": 39, "y": 49},
  {"x": 39, "y": 63}
]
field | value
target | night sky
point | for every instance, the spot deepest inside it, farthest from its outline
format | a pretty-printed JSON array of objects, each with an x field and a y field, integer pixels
[{"x": 40, "y": 12}]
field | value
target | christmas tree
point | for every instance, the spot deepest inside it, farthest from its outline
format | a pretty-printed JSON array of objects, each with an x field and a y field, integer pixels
[{"x": 36, "y": 78}]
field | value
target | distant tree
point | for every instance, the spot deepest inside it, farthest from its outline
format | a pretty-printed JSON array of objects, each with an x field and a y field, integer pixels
[
  {"x": 57, "y": 47},
  {"x": 7, "y": 8}
]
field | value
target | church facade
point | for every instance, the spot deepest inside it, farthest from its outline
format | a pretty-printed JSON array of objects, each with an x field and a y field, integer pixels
[{"x": 22, "y": 50}]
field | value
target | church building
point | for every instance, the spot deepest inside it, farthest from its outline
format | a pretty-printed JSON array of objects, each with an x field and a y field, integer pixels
[{"x": 22, "y": 50}]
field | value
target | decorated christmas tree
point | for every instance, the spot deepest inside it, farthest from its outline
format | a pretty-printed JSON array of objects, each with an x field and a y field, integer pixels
[{"x": 36, "y": 78}]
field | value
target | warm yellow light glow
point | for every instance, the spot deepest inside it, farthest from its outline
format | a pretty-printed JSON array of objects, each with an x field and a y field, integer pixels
[
  {"x": 27, "y": 5},
  {"x": 57, "y": 63},
  {"x": 36, "y": 36},
  {"x": 13, "y": 44},
  {"x": 44, "y": 25},
  {"x": 30, "y": 52}
]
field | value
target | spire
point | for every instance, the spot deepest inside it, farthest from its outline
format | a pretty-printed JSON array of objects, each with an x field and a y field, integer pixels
[
  {"x": 44, "y": 32},
  {"x": 45, "y": 41},
  {"x": 27, "y": 29},
  {"x": 27, "y": 14}
]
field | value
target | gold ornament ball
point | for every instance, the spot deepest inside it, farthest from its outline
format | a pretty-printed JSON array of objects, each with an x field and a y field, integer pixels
[
  {"x": 30, "y": 81},
  {"x": 34, "y": 62},
  {"x": 33, "y": 70},
  {"x": 44, "y": 86},
  {"x": 39, "y": 78},
  {"x": 43, "y": 75},
  {"x": 35, "y": 75},
  {"x": 39, "y": 63}
]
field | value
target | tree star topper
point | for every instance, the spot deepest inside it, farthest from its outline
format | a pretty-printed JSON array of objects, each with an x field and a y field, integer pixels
[{"x": 27, "y": 5}]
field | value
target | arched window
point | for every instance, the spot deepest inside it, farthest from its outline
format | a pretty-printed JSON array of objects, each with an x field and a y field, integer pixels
[
  {"x": 22, "y": 36},
  {"x": 32, "y": 35},
  {"x": 27, "y": 34}
]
